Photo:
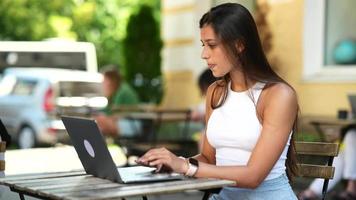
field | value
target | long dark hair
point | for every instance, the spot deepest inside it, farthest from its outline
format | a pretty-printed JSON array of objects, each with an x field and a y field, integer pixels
[
  {"x": 233, "y": 24},
  {"x": 4, "y": 134}
]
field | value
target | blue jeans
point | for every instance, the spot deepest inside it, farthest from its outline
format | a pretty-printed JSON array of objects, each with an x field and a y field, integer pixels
[{"x": 277, "y": 188}]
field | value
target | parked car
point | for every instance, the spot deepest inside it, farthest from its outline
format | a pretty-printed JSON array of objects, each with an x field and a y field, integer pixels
[{"x": 33, "y": 99}]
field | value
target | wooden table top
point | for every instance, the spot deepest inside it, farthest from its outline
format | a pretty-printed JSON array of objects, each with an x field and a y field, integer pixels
[
  {"x": 328, "y": 120},
  {"x": 77, "y": 185}
]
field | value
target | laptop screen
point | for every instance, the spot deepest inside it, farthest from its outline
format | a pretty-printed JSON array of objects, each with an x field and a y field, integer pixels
[{"x": 352, "y": 101}]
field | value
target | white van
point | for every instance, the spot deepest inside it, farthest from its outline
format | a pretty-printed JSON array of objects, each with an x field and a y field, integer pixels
[{"x": 48, "y": 54}]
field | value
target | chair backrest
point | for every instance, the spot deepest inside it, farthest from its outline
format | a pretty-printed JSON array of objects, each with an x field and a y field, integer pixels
[
  {"x": 318, "y": 149},
  {"x": 329, "y": 150},
  {"x": 2, "y": 156}
]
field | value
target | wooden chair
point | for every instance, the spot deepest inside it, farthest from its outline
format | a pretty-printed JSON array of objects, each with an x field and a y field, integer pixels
[
  {"x": 314, "y": 149},
  {"x": 317, "y": 149}
]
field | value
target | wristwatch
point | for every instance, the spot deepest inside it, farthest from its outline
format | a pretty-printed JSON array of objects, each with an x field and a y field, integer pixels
[{"x": 193, "y": 165}]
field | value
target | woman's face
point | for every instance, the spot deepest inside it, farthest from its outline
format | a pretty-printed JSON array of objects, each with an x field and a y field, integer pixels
[{"x": 213, "y": 52}]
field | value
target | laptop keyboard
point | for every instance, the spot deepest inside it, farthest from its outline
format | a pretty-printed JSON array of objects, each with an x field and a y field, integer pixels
[{"x": 140, "y": 173}]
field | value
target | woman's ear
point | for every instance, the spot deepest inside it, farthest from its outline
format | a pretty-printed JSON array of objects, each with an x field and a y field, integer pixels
[{"x": 240, "y": 46}]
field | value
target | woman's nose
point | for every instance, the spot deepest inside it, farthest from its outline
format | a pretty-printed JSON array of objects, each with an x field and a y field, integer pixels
[{"x": 204, "y": 53}]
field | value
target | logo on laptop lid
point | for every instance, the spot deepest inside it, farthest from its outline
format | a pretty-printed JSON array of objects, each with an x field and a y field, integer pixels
[{"x": 89, "y": 148}]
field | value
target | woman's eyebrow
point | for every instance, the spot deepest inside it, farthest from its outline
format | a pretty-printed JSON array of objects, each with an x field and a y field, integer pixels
[{"x": 208, "y": 40}]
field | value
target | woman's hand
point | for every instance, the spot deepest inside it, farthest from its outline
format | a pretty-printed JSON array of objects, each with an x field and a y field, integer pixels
[{"x": 161, "y": 158}]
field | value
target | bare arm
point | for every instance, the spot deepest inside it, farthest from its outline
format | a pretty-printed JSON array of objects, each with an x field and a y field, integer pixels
[{"x": 208, "y": 152}]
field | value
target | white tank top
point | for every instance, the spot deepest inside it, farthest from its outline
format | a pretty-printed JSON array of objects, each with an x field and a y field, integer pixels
[{"x": 233, "y": 130}]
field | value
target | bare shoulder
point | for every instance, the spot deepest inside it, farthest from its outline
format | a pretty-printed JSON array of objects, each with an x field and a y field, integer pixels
[
  {"x": 280, "y": 93},
  {"x": 217, "y": 88}
]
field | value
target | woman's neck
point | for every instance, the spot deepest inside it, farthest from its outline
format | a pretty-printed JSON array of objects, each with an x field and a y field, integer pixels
[{"x": 238, "y": 82}]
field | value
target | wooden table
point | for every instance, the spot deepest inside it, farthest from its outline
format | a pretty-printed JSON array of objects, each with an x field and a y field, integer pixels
[
  {"x": 77, "y": 185},
  {"x": 52, "y": 159},
  {"x": 321, "y": 122},
  {"x": 157, "y": 115},
  {"x": 152, "y": 118}
]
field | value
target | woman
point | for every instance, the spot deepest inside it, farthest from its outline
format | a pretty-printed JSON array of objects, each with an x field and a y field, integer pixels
[{"x": 251, "y": 114}]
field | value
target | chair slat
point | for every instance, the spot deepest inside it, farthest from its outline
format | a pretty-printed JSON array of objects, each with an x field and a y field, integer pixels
[
  {"x": 2, "y": 165},
  {"x": 316, "y": 171},
  {"x": 317, "y": 148},
  {"x": 2, "y": 146}
]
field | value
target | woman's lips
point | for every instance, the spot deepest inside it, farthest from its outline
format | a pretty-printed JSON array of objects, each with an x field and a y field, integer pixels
[{"x": 211, "y": 66}]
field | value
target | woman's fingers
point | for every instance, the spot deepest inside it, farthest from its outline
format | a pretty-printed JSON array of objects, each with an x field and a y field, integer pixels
[
  {"x": 152, "y": 154},
  {"x": 160, "y": 158}
]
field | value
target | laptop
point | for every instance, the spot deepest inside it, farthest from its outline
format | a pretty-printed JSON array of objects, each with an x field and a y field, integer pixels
[
  {"x": 96, "y": 159},
  {"x": 352, "y": 101}
]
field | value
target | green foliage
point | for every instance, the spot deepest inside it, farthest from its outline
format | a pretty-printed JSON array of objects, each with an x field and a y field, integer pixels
[
  {"x": 102, "y": 22},
  {"x": 142, "y": 47},
  {"x": 98, "y": 22},
  {"x": 307, "y": 137},
  {"x": 29, "y": 19}
]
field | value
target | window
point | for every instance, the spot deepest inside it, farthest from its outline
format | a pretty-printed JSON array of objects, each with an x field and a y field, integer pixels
[
  {"x": 330, "y": 41},
  {"x": 24, "y": 87},
  {"x": 77, "y": 89}
]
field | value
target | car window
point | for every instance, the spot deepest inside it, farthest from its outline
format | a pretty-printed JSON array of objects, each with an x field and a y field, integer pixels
[
  {"x": 24, "y": 87},
  {"x": 79, "y": 89}
]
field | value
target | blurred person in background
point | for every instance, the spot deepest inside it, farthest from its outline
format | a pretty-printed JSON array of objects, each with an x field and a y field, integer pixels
[
  {"x": 118, "y": 93},
  {"x": 205, "y": 79}
]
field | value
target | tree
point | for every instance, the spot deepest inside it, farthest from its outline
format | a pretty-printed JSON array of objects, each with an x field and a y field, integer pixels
[
  {"x": 30, "y": 19},
  {"x": 142, "y": 59},
  {"x": 102, "y": 22}
]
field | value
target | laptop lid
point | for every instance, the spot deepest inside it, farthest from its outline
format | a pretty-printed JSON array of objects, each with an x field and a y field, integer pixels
[
  {"x": 352, "y": 101},
  {"x": 91, "y": 148}
]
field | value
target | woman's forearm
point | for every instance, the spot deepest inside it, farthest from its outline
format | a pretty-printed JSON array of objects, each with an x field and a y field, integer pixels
[
  {"x": 244, "y": 176},
  {"x": 201, "y": 158}
]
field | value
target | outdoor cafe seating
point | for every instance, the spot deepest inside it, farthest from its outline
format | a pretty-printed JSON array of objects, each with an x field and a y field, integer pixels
[{"x": 152, "y": 133}]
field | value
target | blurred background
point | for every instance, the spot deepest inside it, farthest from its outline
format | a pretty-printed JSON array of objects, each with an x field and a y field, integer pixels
[
  {"x": 157, "y": 46},
  {"x": 156, "y": 43}
]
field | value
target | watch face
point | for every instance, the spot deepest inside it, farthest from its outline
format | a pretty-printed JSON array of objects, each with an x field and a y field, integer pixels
[{"x": 194, "y": 161}]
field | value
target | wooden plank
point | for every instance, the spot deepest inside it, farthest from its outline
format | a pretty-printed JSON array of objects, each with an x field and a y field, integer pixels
[
  {"x": 315, "y": 171},
  {"x": 47, "y": 181},
  {"x": 35, "y": 193},
  {"x": 40, "y": 175},
  {"x": 333, "y": 122},
  {"x": 33, "y": 189},
  {"x": 147, "y": 189},
  {"x": 317, "y": 148},
  {"x": 75, "y": 187},
  {"x": 166, "y": 117},
  {"x": 2, "y": 165},
  {"x": 67, "y": 184},
  {"x": 2, "y": 146}
]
